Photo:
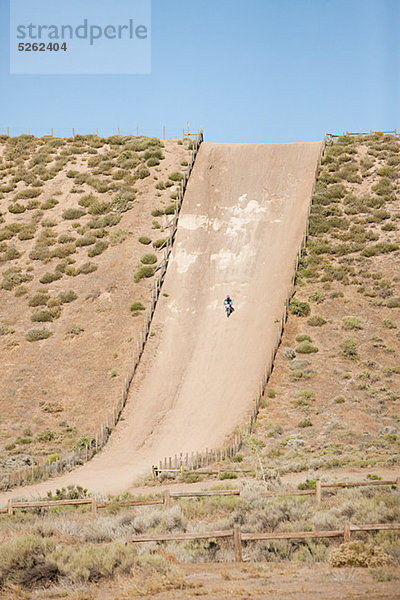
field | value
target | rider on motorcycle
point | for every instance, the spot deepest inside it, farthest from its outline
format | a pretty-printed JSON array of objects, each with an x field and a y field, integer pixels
[{"x": 228, "y": 305}]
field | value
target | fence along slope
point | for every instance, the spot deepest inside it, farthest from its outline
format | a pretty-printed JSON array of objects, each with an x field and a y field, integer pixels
[{"x": 240, "y": 227}]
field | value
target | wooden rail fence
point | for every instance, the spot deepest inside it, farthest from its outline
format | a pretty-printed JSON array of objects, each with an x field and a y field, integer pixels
[
  {"x": 239, "y": 537},
  {"x": 168, "y": 496},
  {"x": 68, "y": 463}
]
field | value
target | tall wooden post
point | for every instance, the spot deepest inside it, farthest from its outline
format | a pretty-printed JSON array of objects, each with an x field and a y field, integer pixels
[
  {"x": 187, "y": 126},
  {"x": 10, "y": 509},
  {"x": 94, "y": 506},
  {"x": 29, "y": 131},
  {"x": 73, "y": 132},
  {"x": 52, "y": 132},
  {"x": 8, "y": 131},
  {"x": 346, "y": 532},
  {"x": 97, "y": 131},
  {"x": 167, "y": 499},
  {"x": 137, "y": 130},
  {"x": 318, "y": 491},
  {"x": 237, "y": 540},
  {"x": 118, "y": 131}
]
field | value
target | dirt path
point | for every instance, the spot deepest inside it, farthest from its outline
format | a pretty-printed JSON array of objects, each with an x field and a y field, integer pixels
[{"x": 240, "y": 228}]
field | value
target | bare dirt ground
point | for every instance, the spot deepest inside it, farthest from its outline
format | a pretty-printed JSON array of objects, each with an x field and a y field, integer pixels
[
  {"x": 240, "y": 228},
  {"x": 252, "y": 580}
]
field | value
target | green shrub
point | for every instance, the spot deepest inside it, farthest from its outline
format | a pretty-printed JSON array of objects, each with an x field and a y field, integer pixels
[
  {"x": 271, "y": 393},
  {"x": 45, "y": 436},
  {"x": 358, "y": 554},
  {"x": 41, "y": 316},
  {"x": 14, "y": 277},
  {"x": 299, "y": 308},
  {"x": 85, "y": 240},
  {"x": 308, "y": 484},
  {"x": 351, "y": 323},
  {"x": 63, "y": 250},
  {"x": 145, "y": 240},
  {"x": 72, "y": 213},
  {"x": 157, "y": 212},
  {"x": 137, "y": 306},
  {"x": 389, "y": 324},
  {"x": 87, "y": 268},
  {"x": 159, "y": 243},
  {"x": 349, "y": 349},
  {"x": 316, "y": 297},
  {"x": 118, "y": 236},
  {"x": 67, "y": 297},
  {"x": 34, "y": 335},
  {"x": 40, "y": 252},
  {"x": 306, "y": 348},
  {"x": 50, "y": 277},
  {"x": 99, "y": 207},
  {"x": 393, "y": 302},
  {"x": 175, "y": 176},
  {"x": 143, "y": 272},
  {"x": 28, "y": 193},
  {"x": 149, "y": 259},
  {"x": 170, "y": 210},
  {"x": 16, "y": 208},
  {"x": 98, "y": 248},
  {"x": 142, "y": 172},
  {"x": 227, "y": 475},
  {"x": 49, "y": 204},
  {"x": 339, "y": 400},
  {"x": 305, "y": 422},
  {"x": 303, "y": 337}
]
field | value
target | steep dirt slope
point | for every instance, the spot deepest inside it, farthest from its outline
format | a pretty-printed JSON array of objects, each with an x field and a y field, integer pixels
[{"x": 241, "y": 224}]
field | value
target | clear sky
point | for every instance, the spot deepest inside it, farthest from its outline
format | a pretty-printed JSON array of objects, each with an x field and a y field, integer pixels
[{"x": 247, "y": 71}]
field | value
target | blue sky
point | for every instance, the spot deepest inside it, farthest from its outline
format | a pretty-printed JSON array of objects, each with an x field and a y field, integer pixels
[{"x": 247, "y": 71}]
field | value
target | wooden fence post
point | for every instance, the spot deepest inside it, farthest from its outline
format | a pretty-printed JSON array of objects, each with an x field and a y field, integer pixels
[
  {"x": 10, "y": 509},
  {"x": 398, "y": 485},
  {"x": 94, "y": 506},
  {"x": 237, "y": 539},
  {"x": 346, "y": 532},
  {"x": 167, "y": 499},
  {"x": 318, "y": 491}
]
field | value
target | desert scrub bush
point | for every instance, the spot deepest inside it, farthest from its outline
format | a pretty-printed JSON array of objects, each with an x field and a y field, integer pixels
[
  {"x": 349, "y": 349},
  {"x": 86, "y": 200},
  {"x": 393, "y": 302},
  {"x": 316, "y": 321},
  {"x": 304, "y": 397},
  {"x": 28, "y": 193},
  {"x": 99, "y": 207},
  {"x": 11, "y": 253},
  {"x": 299, "y": 308},
  {"x": 86, "y": 240},
  {"x": 155, "y": 225},
  {"x": 175, "y": 176},
  {"x": 71, "y": 214},
  {"x": 14, "y": 277},
  {"x": 305, "y": 423},
  {"x": 358, "y": 554},
  {"x": 142, "y": 172},
  {"x": 349, "y": 323},
  {"x": 50, "y": 277},
  {"x": 170, "y": 209},
  {"x": 23, "y": 561},
  {"x": 143, "y": 272},
  {"x": 389, "y": 227},
  {"x": 63, "y": 250},
  {"x": 306, "y": 348},
  {"x": 145, "y": 240},
  {"x": 40, "y": 252},
  {"x": 99, "y": 247},
  {"x": 49, "y": 204},
  {"x": 16, "y": 208},
  {"x": 148, "y": 259},
  {"x": 137, "y": 306},
  {"x": 27, "y": 232},
  {"x": 303, "y": 337},
  {"x": 316, "y": 297},
  {"x": 389, "y": 324},
  {"x": 339, "y": 400},
  {"x": 160, "y": 185},
  {"x": 34, "y": 335},
  {"x": 157, "y": 212},
  {"x": 42, "y": 316},
  {"x": 118, "y": 236},
  {"x": 159, "y": 243},
  {"x": 68, "y": 296},
  {"x": 86, "y": 268}
]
